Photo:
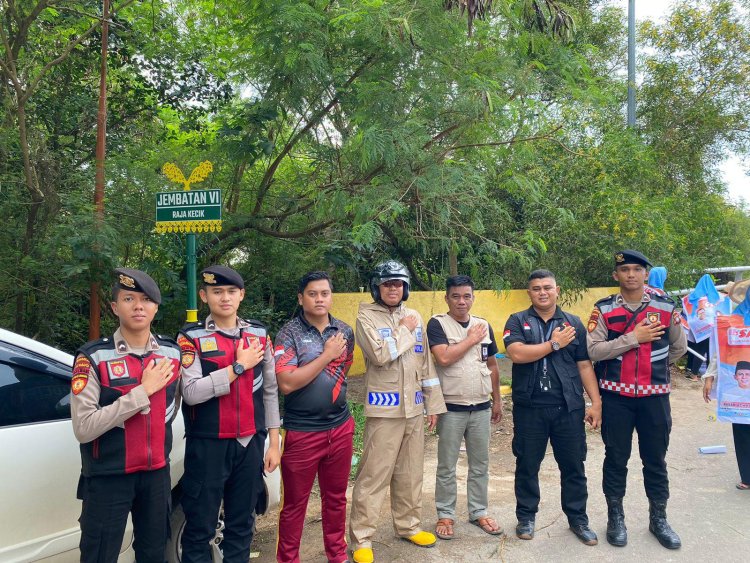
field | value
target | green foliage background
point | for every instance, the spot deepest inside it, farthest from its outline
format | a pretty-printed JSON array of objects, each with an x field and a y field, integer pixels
[{"x": 344, "y": 132}]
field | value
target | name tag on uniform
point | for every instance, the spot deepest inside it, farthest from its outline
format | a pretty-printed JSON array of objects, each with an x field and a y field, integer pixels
[{"x": 419, "y": 346}]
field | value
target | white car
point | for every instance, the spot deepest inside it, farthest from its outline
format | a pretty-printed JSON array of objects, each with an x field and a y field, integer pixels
[{"x": 41, "y": 461}]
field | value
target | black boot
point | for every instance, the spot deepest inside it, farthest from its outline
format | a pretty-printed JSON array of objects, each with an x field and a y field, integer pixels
[
  {"x": 617, "y": 533},
  {"x": 658, "y": 525}
]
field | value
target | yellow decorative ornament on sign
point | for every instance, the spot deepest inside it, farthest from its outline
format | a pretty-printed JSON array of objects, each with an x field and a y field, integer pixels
[{"x": 199, "y": 214}]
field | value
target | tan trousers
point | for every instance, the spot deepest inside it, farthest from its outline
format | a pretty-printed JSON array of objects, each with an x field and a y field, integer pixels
[{"x": 393, "y": 455}]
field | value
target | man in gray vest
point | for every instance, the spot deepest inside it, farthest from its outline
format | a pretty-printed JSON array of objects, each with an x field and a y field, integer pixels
[{"x": 464, "y": 348}]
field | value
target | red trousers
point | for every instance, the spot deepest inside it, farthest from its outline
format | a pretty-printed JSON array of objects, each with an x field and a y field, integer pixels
[{"x": 327, "y": 454}]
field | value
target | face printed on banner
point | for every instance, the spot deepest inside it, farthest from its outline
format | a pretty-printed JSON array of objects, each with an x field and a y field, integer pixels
[{"x": 742, "y": 377}]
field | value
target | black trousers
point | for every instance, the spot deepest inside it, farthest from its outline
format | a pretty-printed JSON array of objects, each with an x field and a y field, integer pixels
[
  {"x": 651, "y": 417},
  {"x": 217, "y": 469},
  {"x": 533, "y": 429},
  {"x": 107, "y": 501},
  {"x": 741, "y": 434}
]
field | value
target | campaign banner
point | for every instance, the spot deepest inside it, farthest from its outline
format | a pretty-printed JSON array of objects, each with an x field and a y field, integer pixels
[
  {"x": 733, "y": 358},
  {"x": 701, "y": 317}
]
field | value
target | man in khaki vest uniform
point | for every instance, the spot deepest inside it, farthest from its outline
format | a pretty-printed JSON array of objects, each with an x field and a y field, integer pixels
[
  {"x": 464, "y": 348},
  {"x": 401, "y": 386}
]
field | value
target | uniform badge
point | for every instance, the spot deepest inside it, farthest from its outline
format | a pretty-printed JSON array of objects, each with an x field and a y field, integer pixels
[
  {"x": 418, "y": 398},
  {"x": 506, "y": 333},
  {"x": 118, "y": 369},
  {"x": 209, "y": 344},
  {"x": 526, "y": 326},
  {"x": 127, "y": 281},
  {"x": 82, "y": 366},
  {"x": 653, "y": 317},
  {"x": 209, "y": 278},
  {"x": 418, "y": 347},
  {"x": 78, "y": 383},
  {"x": 384, "y": 332},
  {"x": 187, "y": 351},
  {"x": 676, "y": 318},
  {"x": 593, "y": 320},
  {"x": 619, "y": 257},
  {"x": 485, "y": 352}
]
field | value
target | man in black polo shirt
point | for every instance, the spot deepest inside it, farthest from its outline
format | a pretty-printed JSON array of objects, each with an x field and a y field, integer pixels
[
  {"x": 551, "y": 368},
  {"x": 313, "y": 355}
]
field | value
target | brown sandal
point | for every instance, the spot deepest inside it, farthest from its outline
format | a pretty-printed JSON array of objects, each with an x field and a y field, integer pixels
[
  {"x": 446, "y": 523},
  {"x": 488, "y": 525}
]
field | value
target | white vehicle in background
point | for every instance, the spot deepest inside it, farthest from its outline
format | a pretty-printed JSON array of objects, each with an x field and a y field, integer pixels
[{"x": 41, "y": 461}]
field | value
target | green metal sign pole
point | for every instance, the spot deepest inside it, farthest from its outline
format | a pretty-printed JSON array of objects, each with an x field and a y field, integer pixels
[{"x": 192, "y": 297}]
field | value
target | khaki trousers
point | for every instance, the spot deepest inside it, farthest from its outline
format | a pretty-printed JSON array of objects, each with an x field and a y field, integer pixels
[{"x": 393, "y": 456}]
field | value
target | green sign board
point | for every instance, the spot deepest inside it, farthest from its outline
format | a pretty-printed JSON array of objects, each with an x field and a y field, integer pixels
[{"x": 188, "y": 211}]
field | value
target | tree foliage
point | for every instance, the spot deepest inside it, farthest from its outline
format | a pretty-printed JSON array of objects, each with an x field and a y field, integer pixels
[{"x": 342, "y": 133}]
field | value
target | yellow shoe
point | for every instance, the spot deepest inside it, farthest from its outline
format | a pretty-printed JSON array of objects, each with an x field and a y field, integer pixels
[
  {"x": 363, "y": 555},
  {"x": 423, "y": 539}
]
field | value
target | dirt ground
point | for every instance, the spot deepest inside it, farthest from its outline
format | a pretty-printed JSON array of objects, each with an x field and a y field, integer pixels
[{"x": 705, "y": 508}]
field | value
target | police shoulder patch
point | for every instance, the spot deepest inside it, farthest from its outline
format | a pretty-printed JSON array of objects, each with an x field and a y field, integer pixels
[
  {"x": 187, "y": 351},
  {"x": 593, "y": 320},
  {"x": 81, "y": 369},
  {"x": 676, "y": 317},
  {"x": 82, "y": 366}
]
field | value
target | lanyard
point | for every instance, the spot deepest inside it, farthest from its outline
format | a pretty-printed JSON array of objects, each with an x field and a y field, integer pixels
[{"x": 545, "y": 383}]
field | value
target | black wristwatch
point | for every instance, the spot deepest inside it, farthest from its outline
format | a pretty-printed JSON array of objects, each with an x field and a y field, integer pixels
[
  {"x": 555, "y": 345},
  {"x": 238, "y": 368}
]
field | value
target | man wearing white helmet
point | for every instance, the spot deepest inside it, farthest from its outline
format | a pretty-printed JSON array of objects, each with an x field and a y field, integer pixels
[{"x": 402, "y": 386}]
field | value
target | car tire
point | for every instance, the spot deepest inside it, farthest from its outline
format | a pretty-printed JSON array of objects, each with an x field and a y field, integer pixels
[{"x": 173, "y": 553}]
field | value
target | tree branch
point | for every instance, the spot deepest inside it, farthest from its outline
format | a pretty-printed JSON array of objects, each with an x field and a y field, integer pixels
[{"x": 265, "y": 183}]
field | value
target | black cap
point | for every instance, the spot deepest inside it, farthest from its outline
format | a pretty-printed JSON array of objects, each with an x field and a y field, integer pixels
[
  {"x": 631, "y": 257},
  {"x": 136, "y": 280},
  {"x": 221, "y": 275},
  {"x": 743, "y": 364}
]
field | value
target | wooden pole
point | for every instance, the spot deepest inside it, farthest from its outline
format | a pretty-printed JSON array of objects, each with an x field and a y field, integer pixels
[{"x": 101, "y": 145}]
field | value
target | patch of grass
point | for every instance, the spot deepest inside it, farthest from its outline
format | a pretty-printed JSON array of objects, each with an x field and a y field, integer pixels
[
  {"x": 358, "y": 412},
  {"x": 505, "y": 380}
]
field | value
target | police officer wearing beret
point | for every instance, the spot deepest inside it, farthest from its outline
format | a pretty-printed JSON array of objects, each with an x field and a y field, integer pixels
[
  {"x": 122, "y": 405},
  {"x": 230, "y": 405},
  {"x": 633, "y": 336}
]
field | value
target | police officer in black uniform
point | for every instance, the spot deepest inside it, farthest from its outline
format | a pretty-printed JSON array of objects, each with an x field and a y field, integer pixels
[{"x": 633, "y": 336}]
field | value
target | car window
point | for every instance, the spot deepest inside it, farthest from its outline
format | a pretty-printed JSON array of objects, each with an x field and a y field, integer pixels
[{"x": 30, "y": 395}]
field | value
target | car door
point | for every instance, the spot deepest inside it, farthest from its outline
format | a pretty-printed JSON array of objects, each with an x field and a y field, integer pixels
[{"x": 40, "y": 466}]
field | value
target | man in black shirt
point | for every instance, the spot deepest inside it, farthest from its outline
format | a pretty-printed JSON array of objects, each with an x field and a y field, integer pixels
[
  {"x": 551, "y": 368},
  {"x": 313, "y": 355}
]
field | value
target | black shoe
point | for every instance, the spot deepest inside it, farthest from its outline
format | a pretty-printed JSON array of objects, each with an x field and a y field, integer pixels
[
  {"x": 525, "y": 530},
  {"x": 658, "y": 525},
  {"x": 617, "y": 533},
  {"x": 585, "y": 534}
]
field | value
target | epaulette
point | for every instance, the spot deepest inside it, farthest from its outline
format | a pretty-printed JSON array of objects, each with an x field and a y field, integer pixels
[
  {"x": 90, "y": 347},
  {"x": 165, "y": 340},
  {"x": 605, "y": 299},
  {"x": 253, "y": 322},
  {"x": 190, "y": 326},
  {"x": 665, "y": 299}
]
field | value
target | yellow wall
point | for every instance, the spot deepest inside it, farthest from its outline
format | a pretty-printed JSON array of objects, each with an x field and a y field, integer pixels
[{"x": 491, "y": 305}]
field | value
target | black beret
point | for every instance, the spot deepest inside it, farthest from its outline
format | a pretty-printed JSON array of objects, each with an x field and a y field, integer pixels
[
  {"x": 631, "y": 257},
  {"x": 136, "y": 280},
  {"x": 742, "y": 364},
  {"x": 221, "y": 275}
]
